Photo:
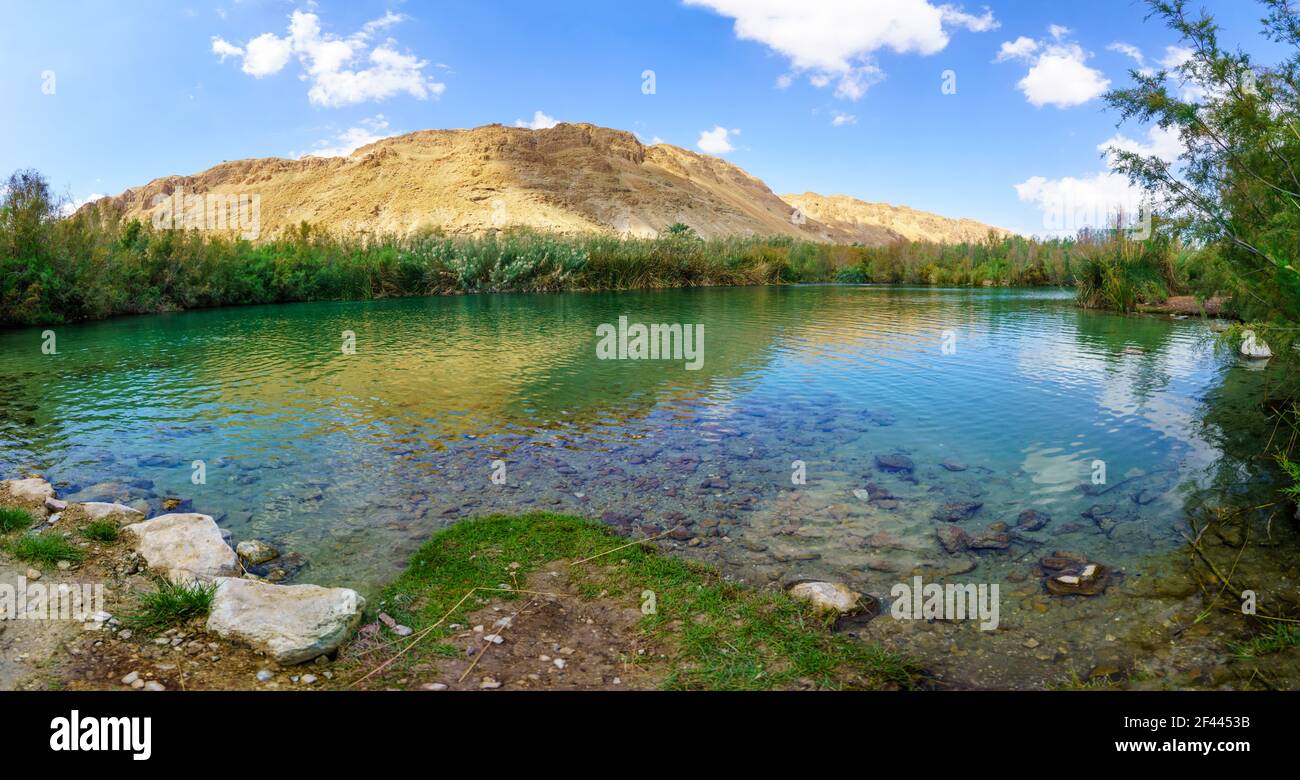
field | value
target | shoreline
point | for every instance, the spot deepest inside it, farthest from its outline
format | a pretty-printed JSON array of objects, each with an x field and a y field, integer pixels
[
  {"x": 1177, "y": 306},
  {"x": 495, "y": 601},
  {"x": 103, "y": 649}
]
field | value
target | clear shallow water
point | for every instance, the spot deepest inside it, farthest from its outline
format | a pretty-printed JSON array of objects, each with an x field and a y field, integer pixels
[{"x": 352, "y": 460}]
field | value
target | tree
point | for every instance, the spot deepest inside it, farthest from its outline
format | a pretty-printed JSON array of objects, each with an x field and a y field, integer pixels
[{"x": 1236, "y": 186}]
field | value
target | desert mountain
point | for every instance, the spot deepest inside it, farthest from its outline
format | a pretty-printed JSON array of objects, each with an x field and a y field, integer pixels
[
  {"x": 867, "y": 222},
  {"x": 570, "y": 178}
]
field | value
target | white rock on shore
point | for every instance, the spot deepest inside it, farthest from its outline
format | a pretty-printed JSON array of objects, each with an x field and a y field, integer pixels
[
  {"x": 183, "y": 547},
  {"x": 292, "y": 623},
  {"x": 35, "y": 489},
  {"x": 829, "y": 596},
  {"x": 1255, "y": 348}
]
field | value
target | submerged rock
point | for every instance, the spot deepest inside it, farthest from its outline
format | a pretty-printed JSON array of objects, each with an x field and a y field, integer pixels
[
  {"x": 1032, "y": 520},
  {"x": 951, "y": 464},
  {"x": 957, "y": 511},
  {"x": 98, "y": 510},
  {"x": 1086, "y": 580},
  {"x": 895, "y": 463},
  {"x": 183, "y": 547},
  {"x": 254, "y": 551},
  {"x": 827, "y": 596},
  {"x": 954, "y": 539},
  {"x": 990, "y": 539},
  {"x": 1061, "y": 559},
  {"x": 291, "y": 623}
]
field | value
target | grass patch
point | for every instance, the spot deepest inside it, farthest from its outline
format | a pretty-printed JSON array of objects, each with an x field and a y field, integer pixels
[
  {"x": 47, "y": 548},
  {"x": 169, "y": 605},
  {"x": 1279, "y": 637},
  {"x": 101, "y": 531},
  {"x": 718, "y": 635},
  {"x": 12, "y": 518}
]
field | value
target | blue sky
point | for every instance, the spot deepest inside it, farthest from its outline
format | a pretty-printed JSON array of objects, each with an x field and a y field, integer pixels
[{"x": 101, "y": 96}]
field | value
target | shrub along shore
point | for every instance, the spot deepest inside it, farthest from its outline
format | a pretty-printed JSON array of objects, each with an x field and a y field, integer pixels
[{"x": 93, "y": 264}]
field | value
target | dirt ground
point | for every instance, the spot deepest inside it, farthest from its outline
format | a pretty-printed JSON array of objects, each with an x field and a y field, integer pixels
[
  {"x": 552, "y": 639},
  {"x": 1185, "y": 305}
]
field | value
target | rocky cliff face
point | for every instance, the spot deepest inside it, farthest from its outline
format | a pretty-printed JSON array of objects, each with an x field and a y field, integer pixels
[{"x": 571, "y": 178}]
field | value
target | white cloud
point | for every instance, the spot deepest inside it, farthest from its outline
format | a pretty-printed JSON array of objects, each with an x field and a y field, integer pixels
[
  {"x": 982, "y": 23},
  {"x": 717, "y": 140},
  {"x": 841, "y": 119},
  {"x": 540, "y": 122},
  {"x": 1058, "y": 71},
  {"x": 1071, "y": 203},
  {"x": 69, "y": 208},
  {"x": 343, "y": 144},
  {"x": 1020, "y": 48},
  {"x": 1164, "y": 143},
  {"x": 341, "y": 71},
  {"x": 1175, "y": 56},
  {"x": 1134, "y": 53},
  {"x": 224, "y": 49},
  {"x": 266, "y": 55},
  {"x": 835, "y": 40}
]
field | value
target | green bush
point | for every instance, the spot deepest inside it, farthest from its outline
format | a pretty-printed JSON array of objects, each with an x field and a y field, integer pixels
[{"x": 96, "y": 264}]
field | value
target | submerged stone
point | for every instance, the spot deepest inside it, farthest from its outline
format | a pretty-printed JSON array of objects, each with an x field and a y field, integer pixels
[
  {"x": 957, "y": 511},
  {"x": 1032, "y": 520},
  {"x": 895, "y": 463},
  {"x": 99, "y": 510},
  {"x": 1086, "y": 580},
  {"x": 954, "y": 539},
  {"x": 255, "y": 551}
]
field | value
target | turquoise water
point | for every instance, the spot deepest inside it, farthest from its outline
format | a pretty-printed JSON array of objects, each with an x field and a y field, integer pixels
[{"x": 352, "y": 460}]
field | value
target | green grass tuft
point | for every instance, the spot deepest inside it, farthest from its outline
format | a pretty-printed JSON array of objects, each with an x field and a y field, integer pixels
[
  {"x": 48, "y": 548},
  {"x": 101, "y": 531},
  {"x": 170, "y": 604},
  {"x": 14, "y": 518},
  {"x": 1279, "y": 637}
]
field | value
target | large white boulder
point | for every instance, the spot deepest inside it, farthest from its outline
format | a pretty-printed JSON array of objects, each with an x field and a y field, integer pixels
[
  {"x": 291, "y": 623},
  {"x": 183, "y": 547},
  {"x": 33, "y": 490}
]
